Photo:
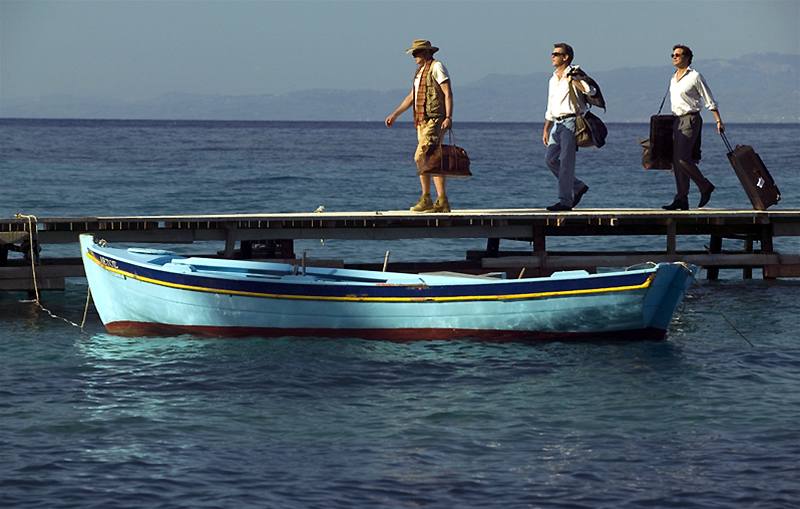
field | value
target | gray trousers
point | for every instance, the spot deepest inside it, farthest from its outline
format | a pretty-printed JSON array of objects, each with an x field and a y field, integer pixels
[
  {"x": 560, "y": 158},
  {"x": 686, "y": 130}
]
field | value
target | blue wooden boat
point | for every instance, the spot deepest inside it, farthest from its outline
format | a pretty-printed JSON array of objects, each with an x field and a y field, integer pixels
[{"x": 140, "y": 292}]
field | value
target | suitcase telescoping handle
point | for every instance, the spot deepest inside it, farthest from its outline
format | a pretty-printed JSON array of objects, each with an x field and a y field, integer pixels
[{"x": 727, "y": 143}]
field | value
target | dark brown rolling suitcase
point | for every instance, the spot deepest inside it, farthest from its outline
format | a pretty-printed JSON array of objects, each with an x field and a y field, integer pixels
[{"x": 753, "y": 174}]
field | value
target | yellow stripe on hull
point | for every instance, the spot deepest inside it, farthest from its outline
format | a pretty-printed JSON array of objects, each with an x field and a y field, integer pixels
[{"x": 354, "y": 298}]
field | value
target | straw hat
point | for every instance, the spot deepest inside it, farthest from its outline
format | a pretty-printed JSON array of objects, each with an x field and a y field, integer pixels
[{"x": 421, "y": 44}]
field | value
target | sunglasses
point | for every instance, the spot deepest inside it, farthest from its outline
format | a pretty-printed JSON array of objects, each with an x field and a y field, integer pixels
[
  {"x": 676, "y": 55},
  {"x": 557, "y": 54}
]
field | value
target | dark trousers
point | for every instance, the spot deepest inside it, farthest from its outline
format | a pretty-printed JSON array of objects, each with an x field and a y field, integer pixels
[
  {"x": 686, "y": 131},
  {"x": 560, "y": 158}
]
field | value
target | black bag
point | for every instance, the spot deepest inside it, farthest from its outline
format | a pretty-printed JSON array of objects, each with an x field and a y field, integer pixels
[
  {"x": 597, "y": 127},
  {"x": 753, "y": 175},
  {"x": 657, "y": 153},
  {"x": 657, "y": 150}
]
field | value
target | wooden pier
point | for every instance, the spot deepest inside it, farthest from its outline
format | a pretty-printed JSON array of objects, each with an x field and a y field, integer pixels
[{"x": 750, "y": 235}]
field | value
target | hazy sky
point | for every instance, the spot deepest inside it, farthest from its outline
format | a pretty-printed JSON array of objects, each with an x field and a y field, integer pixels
[{"x": 141, "y": 49}]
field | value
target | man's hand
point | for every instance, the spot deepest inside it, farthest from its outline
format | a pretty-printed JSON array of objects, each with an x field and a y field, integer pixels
[
  {"x": 447, "y": 123},
  {"x": 390, "y": 120},
  {"x": 548, "y": 124}
]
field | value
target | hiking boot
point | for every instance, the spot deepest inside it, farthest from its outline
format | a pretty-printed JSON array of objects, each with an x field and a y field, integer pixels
[
  {"x": 441, "y": 205},
  {"x": 423, "y": 205}
]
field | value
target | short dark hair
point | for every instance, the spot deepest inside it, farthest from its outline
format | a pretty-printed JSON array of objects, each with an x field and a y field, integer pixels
[
  {"x": 567, "y": 49},
  {"x": 686, "y": 51}
]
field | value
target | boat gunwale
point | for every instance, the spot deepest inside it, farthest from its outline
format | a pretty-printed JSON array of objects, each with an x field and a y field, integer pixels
[{"x": 417, "y": 292}]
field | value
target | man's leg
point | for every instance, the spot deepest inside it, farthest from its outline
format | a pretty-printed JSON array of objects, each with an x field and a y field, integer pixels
[
  {"x": 555, "y": 156},
  {"x": 425, "y": 183},
  {"x": 424, "y": 203},
  {"x": 552, "y": 152},
  {"x": 686, "y": 134},
  {"x": 567, "y": 184},
  {"x": 439, "y": 182}
]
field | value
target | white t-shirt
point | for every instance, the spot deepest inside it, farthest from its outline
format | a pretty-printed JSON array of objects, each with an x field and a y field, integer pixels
[{"x": 439, "y": 72}]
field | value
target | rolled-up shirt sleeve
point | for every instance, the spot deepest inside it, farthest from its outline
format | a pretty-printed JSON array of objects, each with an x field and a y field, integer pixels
[{"x": 705, "y": 93}]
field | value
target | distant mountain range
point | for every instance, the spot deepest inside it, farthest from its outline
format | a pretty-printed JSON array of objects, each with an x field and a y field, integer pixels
[{"x": 751, "y": 88}]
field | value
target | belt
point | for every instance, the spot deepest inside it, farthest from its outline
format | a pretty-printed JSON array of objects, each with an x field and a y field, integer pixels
[
  {"x": 564, "y": 117},
  {"x": 690, "y": 113}
]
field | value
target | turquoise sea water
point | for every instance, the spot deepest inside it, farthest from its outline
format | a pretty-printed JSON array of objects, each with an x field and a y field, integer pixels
[{"x": 707, "y": 418}]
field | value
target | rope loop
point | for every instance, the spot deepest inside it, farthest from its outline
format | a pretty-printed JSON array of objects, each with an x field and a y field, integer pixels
[{"x": 32, "y": 221}]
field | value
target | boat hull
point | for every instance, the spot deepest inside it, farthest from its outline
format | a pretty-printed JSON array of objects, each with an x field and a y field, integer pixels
[{"x": 139, "y": 300}]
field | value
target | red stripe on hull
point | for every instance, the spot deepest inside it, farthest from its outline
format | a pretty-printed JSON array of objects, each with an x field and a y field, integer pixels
[{"x": 158, "y": 329}]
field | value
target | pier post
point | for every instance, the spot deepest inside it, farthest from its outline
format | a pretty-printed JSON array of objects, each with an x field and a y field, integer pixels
[
  {"x": 246, "y": 249},
  {"x": 230, "y": 241},
  {"x": 540, "y": 248},
  {"x": 672, "y": 243},
  {"x": 712, "y": 273},
  {"x": 766, "y": 247},
  {"x": 286, "y": 248},
  {"x": 492, "y": 247},
  {"x": 747, "y": 272}
]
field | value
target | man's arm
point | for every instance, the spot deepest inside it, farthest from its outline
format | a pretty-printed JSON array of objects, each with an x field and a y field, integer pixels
[
  {"x": 546, "y": 131},
  {"x": 402, "y": 107},
  {"x": 720, "y": 125},
  {"x": 711, "y": 103},
  {"x": 448, "y": 105}
]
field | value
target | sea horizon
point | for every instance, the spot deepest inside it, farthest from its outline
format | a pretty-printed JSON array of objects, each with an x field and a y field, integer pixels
[{"x": 342, "y": 122}]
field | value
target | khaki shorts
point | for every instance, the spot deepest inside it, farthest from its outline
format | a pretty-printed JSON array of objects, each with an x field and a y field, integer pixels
[{"x": 429, "y": 135}]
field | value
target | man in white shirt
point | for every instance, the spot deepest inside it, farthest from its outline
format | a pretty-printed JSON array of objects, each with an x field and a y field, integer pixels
[
  {"x": 558, "y": 134},
  {"x": 432, "y": 100},
  {"x": 688, "y": 92}
]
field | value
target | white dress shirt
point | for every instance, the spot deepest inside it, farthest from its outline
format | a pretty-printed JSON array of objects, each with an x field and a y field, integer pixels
[
  {"x": 688, "y": 94},
  {"x": 558, "y": 102}
]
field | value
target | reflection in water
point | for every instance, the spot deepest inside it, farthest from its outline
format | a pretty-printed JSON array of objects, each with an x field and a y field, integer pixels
[{"x": 140, "y": 392}]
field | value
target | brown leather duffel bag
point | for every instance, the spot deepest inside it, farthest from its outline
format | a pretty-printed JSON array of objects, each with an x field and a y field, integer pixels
[{"x": 445, "y": 160}]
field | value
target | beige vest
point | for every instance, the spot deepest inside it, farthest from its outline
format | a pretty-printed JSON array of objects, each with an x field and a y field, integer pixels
[{"x": 434, "y": 97}]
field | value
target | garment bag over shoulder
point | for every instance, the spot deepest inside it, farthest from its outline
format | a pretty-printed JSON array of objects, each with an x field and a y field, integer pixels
[{"x": 590, "y": 131}]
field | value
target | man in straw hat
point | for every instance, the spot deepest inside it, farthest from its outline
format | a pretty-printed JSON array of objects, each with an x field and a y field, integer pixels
[{"x": 432, "y": 100}]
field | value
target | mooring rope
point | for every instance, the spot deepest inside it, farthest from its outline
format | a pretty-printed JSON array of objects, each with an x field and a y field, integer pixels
[{"x": 32, "y": 220}]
